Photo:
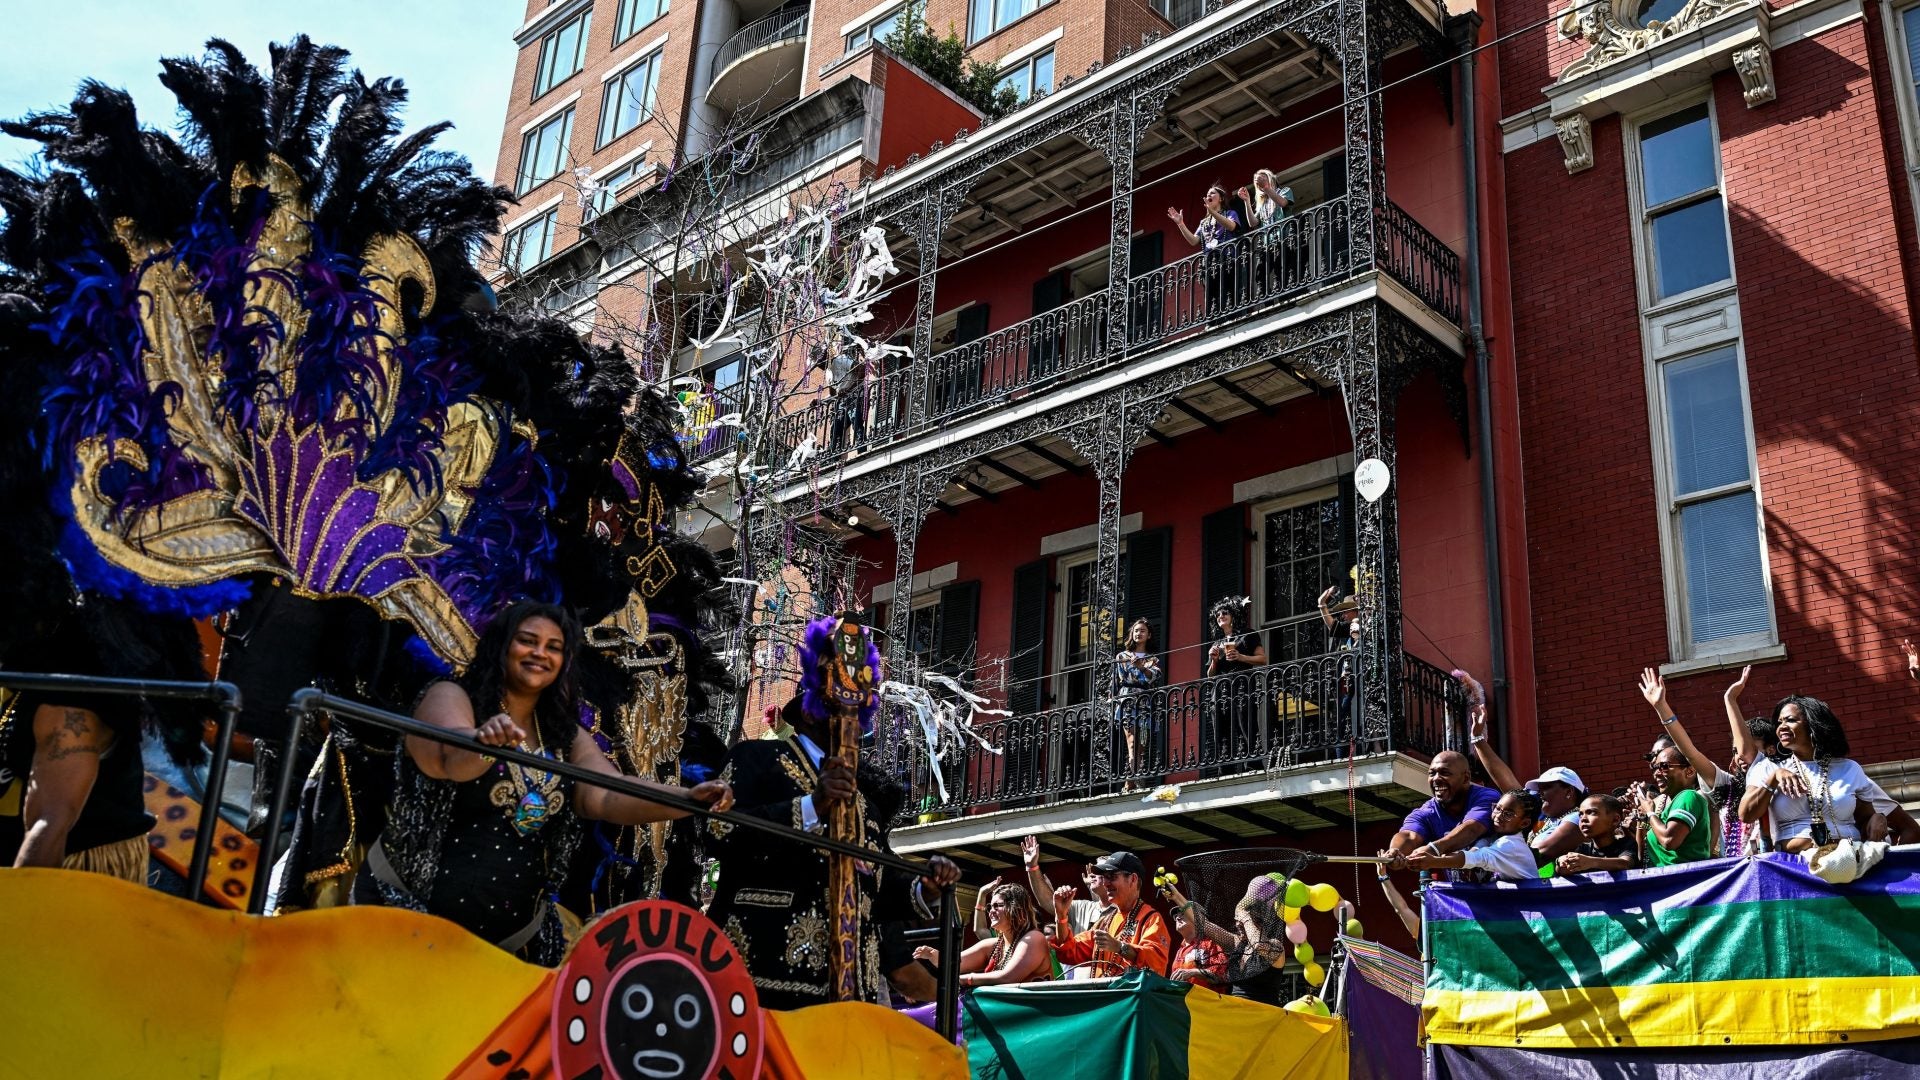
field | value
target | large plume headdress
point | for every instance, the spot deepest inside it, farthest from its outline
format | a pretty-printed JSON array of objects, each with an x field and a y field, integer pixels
[
  {"x": 839, "y": 667},
  {"x": 257, "y": 357}
]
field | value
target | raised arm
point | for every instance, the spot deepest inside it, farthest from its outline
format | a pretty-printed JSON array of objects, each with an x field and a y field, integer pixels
[
  {"x": 1326, "y": 612},
  {"x": 1746, "y": 748},
  {"x": 1913, "y": 658},
  {"x": 1497, "y": 770},
  {"x": 1654, "y": 689},
  {"x": 1409, "y": 918},
  {"x": 981, "y": 926},
  {"x": 1179, "y": 218}
]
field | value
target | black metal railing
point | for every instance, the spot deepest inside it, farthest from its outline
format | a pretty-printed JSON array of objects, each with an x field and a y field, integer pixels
[
  {"x": 1257, "y": 272},
  {"x": 224, "y": 696},
  {"x": 1419, "y": 260},
  {"x": 1252, "y": 272},
  {"x": 787, "y": 24},
  {"x": 717, "y": 434},
  {"x": 1256, "y": 721}
]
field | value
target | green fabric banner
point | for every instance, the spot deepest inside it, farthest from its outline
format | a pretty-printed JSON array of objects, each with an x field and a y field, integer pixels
[{"x": 1135, "y": 1026}]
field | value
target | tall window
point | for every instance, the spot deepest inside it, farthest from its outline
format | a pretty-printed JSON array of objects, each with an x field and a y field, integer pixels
[
  {"x": 1301, "y": 545},
  {"x": 635, "y": 14},
  {"x": 1712, "y": 506},
  {"x": 1073, "y": 650},
  {"x": 877, "y": 30},
  {"x": 1686, "y": 223},
  {"x": 1712, "y": 540},
  {"x": 1903, "y": 38},
  {"x": 1031, "y": 76},
  {"x": 562, "y": 52},
  {"x": 607, "y": 190},
  {"x": 543, "y": 151},
  {"x": 527, "y": 246},
  {"x": 629, "y": 98},
  {"x": 923, "y": 631},
  {"x": 987, "y": 16}
]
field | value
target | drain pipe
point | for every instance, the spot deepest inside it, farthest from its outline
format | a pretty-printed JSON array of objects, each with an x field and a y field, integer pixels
[{"x": 1466, "y": 30}]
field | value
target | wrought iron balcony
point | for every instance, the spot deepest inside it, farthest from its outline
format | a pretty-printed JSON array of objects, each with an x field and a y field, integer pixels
[
  {"x": 1265, "y": 720},
  {"x": 1259, "y": 273}
]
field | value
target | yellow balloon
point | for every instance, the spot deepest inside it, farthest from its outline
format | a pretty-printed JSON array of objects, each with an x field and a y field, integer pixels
[
  {"x": 1314, "y": 974},
  {"x": 1289, "y": 914},
  {"x": 1323, "y": 897}
]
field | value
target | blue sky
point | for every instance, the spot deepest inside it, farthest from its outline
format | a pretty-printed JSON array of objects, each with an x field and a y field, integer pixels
[{"x": 456, "y": 58}]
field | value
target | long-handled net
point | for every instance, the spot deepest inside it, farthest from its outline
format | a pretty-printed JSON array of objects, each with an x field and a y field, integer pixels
[{"x": 1236, "y": 891}]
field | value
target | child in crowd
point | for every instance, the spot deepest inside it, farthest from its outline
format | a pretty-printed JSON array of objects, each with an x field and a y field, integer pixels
[
  {"x": 1506, "y": 854},
  {"x": 1198, "y": 959},
  {"x": 1602, "y": 846}
]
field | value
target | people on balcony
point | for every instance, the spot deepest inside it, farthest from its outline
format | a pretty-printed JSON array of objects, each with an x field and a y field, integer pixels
[
  {"x": 1721, "y": 788},
  {"x": 1819, "y": 794},
  {"x": 1220, "y": 223},
  {"x": 1273, "y": 257},
  {"x": 1454, "y": 819},
  {"x": 1015, "y": 953},
  {"x": 1136, "y": 671},
  {"x": 1234, "y": 741},
  {"x": 1505, "y": 854},
  {"x": 1560, "y": 790},
  {"x": 485, "y": 843},
  {"x": 1130, "y": 935},
  {"x": 1603, "y": 845}
]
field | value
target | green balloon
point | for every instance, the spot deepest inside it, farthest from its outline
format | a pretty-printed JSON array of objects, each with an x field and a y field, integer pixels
[
  {"x": 1354, "y": 930},
  {"x": 1303, "y": 952},
  {"x": 1297, "y": 893}
]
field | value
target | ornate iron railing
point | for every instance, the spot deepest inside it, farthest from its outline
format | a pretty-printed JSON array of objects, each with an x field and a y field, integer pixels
[
  {"x": 1262, "y": 720},
  {"x": 788, "y": 23},
  {"x": 1257, "y": 272},
  {"x": 1417, "y": 259},
  {"x": 718, "y": 437},
  {"x": 1252, "y": 272},
  {"x": 1052, "y": 346}
]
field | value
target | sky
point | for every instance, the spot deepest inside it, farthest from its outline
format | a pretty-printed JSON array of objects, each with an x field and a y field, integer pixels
[{"x": 455, "y": 57}]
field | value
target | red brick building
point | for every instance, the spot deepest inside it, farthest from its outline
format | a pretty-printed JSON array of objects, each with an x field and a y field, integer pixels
[{"x": 1681, "y": 455}]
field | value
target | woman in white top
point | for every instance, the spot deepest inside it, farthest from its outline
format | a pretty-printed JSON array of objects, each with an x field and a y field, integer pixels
[{"x": 1813, "y": 798}]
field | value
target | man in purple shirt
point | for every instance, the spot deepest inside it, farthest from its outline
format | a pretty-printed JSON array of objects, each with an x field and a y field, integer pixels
[{"x": 1457, "y": 816}]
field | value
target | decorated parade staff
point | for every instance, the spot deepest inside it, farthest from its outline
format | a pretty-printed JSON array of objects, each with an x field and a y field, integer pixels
[{"x": 803, "y": 940}]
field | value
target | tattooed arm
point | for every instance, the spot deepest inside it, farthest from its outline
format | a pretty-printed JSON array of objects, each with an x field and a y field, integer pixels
[{"x": 66, "y": 759}]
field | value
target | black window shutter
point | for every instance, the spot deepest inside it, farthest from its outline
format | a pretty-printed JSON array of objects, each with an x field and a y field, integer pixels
[
  {"x": 1333, "y": 177},
  {"x": 959, "y": 614},
  {"x": 1027, "y": 662},
  {"x": 1149, "y": 573},
  {"x": 1223, "y": 562},
  {"x": 1050, "y": 292},
  {"x": 1348, "y": 553},
  {"x": 970, "y": 324},
  {"x": 1147, "y": 252}
]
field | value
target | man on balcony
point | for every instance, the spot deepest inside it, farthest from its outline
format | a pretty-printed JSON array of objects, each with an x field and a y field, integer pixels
[
  {"x": 1457, "y": 816},
  {"x": 1130, "y": 935}
]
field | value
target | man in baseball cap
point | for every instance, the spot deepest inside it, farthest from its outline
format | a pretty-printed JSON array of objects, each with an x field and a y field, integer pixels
[{"x": 1131, "y": 934}]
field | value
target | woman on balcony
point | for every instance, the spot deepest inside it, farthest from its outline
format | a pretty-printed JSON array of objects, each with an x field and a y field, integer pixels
[
  {"x": 1136, "y": 671},
  {"x": 1820, "y": 794},
  {"x": 1215, "y": 234},
  {"x": 1235, "y": 739},
  {"x": 1267, "y": 205}
]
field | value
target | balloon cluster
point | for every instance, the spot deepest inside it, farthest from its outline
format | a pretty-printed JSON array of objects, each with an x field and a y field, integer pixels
[{"x": 1291, "y": 897}]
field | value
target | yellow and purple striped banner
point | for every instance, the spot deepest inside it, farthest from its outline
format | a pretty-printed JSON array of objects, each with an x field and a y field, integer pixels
[{"x": 1754, "y": 952}]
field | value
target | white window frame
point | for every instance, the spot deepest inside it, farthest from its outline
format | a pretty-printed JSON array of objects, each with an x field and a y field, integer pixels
[
  {"x": 549, "y": 218},
  {"x": 1650, "y": 301},
  {"x": 619, "y": 17},
  {"x": 585, "y": 21},
  {"x": 524, "y": 178},
  {"x": 1063, "y": 565},
  {"x": 976, "y": 34},
  {"x": 1027, "y": 65},
  {"x": 602, "y": 136},
  {"x": 863, "y": 29},
  {"x": 1699, "y": 321},
  {"x": 636, "y": 168},
  {"x": 1906, "y": 92}
]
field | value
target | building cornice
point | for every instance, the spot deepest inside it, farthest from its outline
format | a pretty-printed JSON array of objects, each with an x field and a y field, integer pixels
[{"x": 538, "y": 26}]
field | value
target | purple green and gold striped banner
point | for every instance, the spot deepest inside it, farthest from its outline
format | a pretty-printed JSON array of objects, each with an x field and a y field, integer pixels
[{"x": 1753, "y": 952}]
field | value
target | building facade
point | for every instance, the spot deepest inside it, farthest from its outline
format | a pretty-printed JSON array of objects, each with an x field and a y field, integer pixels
[{"x": 1610, "y": 443}]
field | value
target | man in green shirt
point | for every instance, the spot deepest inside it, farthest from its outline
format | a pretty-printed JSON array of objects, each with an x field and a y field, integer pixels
[{"x": 1681, "y": 833}]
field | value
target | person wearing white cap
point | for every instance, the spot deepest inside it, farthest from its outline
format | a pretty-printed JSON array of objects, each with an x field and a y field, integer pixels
[{"x": 1560, "y": 790}]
